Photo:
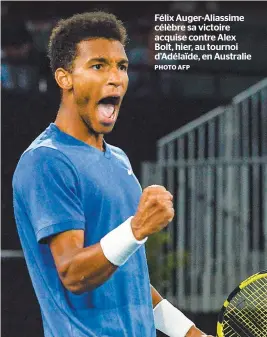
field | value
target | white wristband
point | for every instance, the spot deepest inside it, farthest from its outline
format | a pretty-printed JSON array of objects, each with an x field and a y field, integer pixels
[
  {"x": 170, "y": 320},
  {"x": 119, "y": 244}
]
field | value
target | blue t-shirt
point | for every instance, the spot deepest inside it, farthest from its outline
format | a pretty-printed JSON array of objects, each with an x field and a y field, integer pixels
[{"x": 61, "y": 184}]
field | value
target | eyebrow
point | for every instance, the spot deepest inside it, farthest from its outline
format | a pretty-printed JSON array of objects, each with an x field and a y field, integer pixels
[{"x": 104, "y": 60}]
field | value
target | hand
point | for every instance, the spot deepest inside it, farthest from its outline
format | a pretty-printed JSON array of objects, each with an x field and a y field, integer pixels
[
  {"x": 195, "y": 332},
  {"x": 155, "y": 211}
]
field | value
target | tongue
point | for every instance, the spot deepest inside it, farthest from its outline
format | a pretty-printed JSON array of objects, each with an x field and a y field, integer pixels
[{"x": 106, "y": 109}]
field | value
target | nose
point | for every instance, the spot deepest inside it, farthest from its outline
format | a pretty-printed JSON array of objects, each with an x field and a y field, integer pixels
[{"x": 115, "y": 78}]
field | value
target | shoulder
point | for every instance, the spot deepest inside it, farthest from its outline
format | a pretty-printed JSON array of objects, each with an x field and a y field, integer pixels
[
  {"x": 43, "y": 155},
  {"x": 43, "y": 163},
  {"x": 47, "y": 146}
]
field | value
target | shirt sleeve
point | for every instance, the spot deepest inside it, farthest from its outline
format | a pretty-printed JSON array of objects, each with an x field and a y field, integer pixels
[{"x": 50, "y": 189}]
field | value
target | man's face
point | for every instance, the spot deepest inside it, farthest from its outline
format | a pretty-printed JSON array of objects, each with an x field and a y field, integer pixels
[{"x": 100, "y": 81}]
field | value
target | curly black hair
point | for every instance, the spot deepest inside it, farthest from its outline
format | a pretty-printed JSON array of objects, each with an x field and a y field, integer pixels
[{"x": 69, "y": 32}]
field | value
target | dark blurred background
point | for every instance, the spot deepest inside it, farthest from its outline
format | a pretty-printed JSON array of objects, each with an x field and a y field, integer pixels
[{"x": 156, "y": 103}]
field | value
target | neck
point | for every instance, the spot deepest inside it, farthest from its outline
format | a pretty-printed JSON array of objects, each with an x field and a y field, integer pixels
[{"x": 69, "y": 121}]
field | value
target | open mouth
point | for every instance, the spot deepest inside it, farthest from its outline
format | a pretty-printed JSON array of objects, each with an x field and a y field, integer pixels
[
  {"x": 113, "y": 100},
  {"x": 107, "y": 107}
]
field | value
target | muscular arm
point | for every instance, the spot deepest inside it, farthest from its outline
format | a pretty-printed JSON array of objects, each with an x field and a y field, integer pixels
[{"x": 80, "y": 269}]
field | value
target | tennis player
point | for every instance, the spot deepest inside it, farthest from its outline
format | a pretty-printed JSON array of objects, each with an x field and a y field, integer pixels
[{"x": 81, "y": 215}]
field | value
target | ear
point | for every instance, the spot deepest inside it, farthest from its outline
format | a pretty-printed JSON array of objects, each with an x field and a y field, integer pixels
[{"x": 63, "y": 78}]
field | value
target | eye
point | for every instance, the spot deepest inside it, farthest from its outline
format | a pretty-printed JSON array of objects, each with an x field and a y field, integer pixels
[
  {"x": 97, "y": 66},
  {"x": 123, "y": 67}
]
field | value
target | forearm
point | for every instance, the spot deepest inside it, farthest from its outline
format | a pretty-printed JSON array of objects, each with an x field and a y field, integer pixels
[
  {"x": 87, "y": 269},
  {"x": 192, "y": 330},
  {"x": 156, "y": 297},
  {"x": 82, "y": 269}
]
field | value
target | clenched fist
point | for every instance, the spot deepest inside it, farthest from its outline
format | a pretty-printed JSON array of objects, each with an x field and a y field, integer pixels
[{"x": 155, "y": 211}]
